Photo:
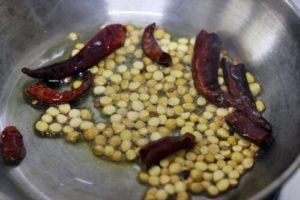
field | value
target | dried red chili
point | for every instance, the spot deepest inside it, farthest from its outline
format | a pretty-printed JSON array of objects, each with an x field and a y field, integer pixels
[
  {"x": 247, "y": 121},
  {"x": 13, "y": 150},
  {"x": 237, "y": 84},
  {"x": 235, "y": 79},
  {"x": 41, "y": 92},
  {"x": 240, "y": 123},
  {"x": 152, "y": 49},
  {"x": 154, "y": 151},
  {"x": 205, "y": 68},
  {"x": 105, "y": 42}
]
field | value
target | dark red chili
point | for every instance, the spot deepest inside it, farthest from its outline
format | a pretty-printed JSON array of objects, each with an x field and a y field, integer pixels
[
  {"x": 41, "y": 92},
  {"x": 154, "y": 151},
  {"x": 13, "y": 150},
  {"x": 240, "y": 123},
  {"x": 236, "y": 81},
  {"x": 105, "y": 42},
  {"x": 205, "y": 68},
  {"x": 151, "y": 48},
  {"x": 246, "y": 120}
]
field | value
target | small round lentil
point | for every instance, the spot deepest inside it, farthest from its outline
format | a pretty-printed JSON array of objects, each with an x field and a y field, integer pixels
[
  {"x": 55, "y": 127},
  {"x": 161, "y": 195},
  {"x": 223, "y": 185},
  {"x": 47, "y": 118}
]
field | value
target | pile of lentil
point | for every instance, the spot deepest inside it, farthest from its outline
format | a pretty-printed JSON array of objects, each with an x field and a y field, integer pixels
[{"x": 141, "y": 102}]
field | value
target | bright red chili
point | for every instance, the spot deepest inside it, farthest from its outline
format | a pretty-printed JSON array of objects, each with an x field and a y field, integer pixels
[
  {"x": 41, "y": 92},
  {"x": 104, "y": 43}
]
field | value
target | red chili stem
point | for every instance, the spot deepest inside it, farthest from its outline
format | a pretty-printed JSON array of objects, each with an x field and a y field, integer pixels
[
  {"x": 101, "y": 45},
  {"x": 154, "y": 151},
  {"x": 13, "y": 150},
  {"x": 151, "y": 48},
  {"x": 46, "y": 95}
]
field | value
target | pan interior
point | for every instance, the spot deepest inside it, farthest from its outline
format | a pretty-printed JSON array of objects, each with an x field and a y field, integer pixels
[{"x": 263, "y": 34}]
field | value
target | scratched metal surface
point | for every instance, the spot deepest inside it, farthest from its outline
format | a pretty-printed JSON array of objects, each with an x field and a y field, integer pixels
[{"x": 264, "y": 34}]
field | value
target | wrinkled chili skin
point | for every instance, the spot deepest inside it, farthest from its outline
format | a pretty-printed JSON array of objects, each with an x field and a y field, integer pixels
[
  {"x": 101, "y": 45},
  {"x": 154, "y": 151},
  {"x": 237, "y": 84},
  {"x": 41, "y": 92},
  {"x": 13, "y": 150},
  {"x": 240, "y": 123},
  {"x": 246, "y": 120},
  {"x": 235, "y": 79},
  {"x": 205, "y": 68},
  {"x": 152, "y": 49}
]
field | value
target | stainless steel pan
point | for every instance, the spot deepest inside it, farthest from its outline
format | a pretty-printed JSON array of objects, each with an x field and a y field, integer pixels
[{"x": 265, "y": 34}]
